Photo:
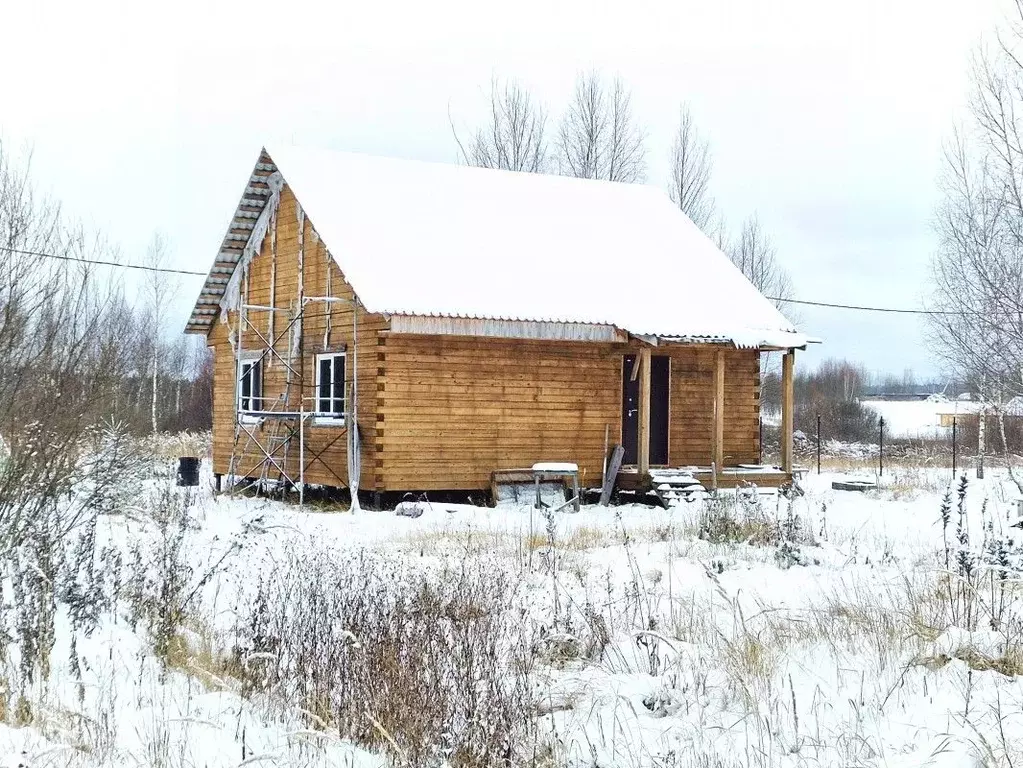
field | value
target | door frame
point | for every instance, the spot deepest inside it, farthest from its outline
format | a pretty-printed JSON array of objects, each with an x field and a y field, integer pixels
[{"x": 621, "y": 408}]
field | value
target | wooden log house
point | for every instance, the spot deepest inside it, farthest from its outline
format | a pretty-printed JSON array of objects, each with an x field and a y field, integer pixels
[{"x": 390, "y": 325}]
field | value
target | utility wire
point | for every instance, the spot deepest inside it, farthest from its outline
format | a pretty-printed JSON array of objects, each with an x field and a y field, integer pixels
[
  {"x": 99, "y": 262},
  {"x": 895, "y": 310},
  {"x": 145, "y": 268}
]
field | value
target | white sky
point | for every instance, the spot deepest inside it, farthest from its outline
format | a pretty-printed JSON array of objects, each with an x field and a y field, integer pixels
[{"x": 825, "y": 118}]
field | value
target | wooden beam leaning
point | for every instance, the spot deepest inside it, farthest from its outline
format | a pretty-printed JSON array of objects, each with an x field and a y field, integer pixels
[
  {"x": 788, "y": 361},
  {"x": 643, "y": 458},
  {"x": 718, "y": 438}
]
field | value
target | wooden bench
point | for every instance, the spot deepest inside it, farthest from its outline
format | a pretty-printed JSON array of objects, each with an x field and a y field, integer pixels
[{"x": 546, "y": 470}]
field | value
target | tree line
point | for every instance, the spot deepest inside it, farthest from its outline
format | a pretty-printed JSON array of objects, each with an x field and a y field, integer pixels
[{"x": 77, "y": 348}]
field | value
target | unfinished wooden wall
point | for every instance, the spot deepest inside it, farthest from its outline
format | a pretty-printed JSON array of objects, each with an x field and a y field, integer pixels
[
  {"x": 692, "y": 406},
  {"x": 450, "y": 410},
  {"x": 283, "y": 283}
]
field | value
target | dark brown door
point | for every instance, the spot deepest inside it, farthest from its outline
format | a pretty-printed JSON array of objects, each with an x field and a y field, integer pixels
[{"x": 659, "y": 373}]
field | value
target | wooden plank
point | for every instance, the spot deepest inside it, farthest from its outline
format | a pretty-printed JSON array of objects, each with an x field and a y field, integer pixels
[
  {"x": 613, "y": 467},
  {"x": 643, "y": 457}
]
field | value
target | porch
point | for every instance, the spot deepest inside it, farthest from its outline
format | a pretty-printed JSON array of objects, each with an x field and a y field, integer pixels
[
  {"x": 650, "y": 403},
  {"x": 762, "y": 476}
]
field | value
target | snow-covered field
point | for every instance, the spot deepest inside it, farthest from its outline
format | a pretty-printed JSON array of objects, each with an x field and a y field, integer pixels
[
  {"x": 918, "y": 419},
  {"x": 826, "y": 631}
]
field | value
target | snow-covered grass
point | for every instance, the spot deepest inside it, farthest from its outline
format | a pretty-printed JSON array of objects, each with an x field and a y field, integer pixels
[{"x": 837, "y": 629}]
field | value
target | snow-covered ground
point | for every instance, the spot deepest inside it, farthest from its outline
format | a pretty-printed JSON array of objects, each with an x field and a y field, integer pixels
[{"x": 820, "y": 632}]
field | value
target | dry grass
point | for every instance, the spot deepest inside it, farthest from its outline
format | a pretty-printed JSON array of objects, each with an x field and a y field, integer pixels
[
  {"x": 1009, "y": 664},
  {"x": 469, "y": 541},
  {"x": 423, "y": 659},
  {"x": 181, "y": 444},
  {"x": 193, "y": 652},
  {"x": 576, "y": 539},
  {"x": 751, "y": 662}
]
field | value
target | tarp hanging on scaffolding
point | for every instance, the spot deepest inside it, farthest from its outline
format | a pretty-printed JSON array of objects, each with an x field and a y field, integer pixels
[{"x": 354, "y": 461}]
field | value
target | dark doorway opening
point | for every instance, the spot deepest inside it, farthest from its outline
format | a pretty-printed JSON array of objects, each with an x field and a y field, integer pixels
[{"x": 660, "y": 367}]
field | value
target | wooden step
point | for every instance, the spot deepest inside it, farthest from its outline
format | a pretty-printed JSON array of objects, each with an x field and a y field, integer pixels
[{"x": 673, "y": 486}]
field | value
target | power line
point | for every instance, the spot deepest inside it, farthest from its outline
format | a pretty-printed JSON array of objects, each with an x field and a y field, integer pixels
[
  {"x": 100, "y": 262},
  {"x": 145, "y": 268},
  {"x": 896, "y": 310}
]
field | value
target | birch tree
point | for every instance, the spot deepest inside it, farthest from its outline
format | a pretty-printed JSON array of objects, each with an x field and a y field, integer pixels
[
  {"x": 690, "y": 169},
  {"x": 976, "y": 327},
  {"x": 599, "y": 137},
  {"x": 160, "y": 289},
  {"x": 514, "y": 135},
  {"x": 755, "y": 256}
]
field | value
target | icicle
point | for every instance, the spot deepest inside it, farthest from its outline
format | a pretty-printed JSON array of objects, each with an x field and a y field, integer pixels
[
  {"x": 300, "y": 214},
  {"x": 273, "y": 288},
  {"x": 232, "y": 293}
]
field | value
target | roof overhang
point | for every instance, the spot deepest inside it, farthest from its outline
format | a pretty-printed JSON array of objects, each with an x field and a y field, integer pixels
[
  {"x": 239, "y": 237},
  {"x": 548, "y": 330}
]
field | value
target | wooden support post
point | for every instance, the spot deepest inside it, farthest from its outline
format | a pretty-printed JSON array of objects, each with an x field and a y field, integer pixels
[
  {"x": 787, "y": 365},
  {"x": 644, "y": 412},
  {"x": 718, "y": 441}
]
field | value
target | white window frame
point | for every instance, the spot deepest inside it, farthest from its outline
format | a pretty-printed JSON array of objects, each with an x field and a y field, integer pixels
[
  {"x": 247, "y": 414},
  {"x": 338, "y": 417}
]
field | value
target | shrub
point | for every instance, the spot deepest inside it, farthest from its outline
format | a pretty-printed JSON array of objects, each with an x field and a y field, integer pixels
[{"x": 423, "y": 665}]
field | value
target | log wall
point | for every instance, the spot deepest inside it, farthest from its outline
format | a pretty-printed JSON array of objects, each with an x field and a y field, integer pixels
[
  {"x": 282, "y": 282},
  {"x": 450, "y": 410}
]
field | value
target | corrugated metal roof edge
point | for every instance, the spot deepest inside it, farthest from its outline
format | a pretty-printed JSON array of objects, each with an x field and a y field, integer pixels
[{"x": 771, "y": 338}]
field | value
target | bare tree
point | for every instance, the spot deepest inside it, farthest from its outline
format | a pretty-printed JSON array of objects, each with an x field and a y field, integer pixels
[
  {"x": 977, "y": 272},
  {"x": 691, "y": 166},
  {"x": 755, "y": 256},
  {"x": 514, "y": 137},
  {"x": 159, "y": 290},
  {"x": 599, "y": 137},
  {"x": 60, "y": 343}
]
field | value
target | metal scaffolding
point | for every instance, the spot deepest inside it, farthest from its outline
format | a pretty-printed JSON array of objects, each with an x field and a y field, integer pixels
[{"x": 271, "y": 430}]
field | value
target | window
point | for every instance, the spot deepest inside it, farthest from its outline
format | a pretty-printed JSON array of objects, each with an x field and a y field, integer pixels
[
  {"x": 250, "y": 389},
  {"x": 330, "y": 386}
]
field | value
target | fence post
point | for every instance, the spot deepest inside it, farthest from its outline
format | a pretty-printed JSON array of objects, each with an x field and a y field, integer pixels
[
  {"x": 981, "y": 447},
  {"x": 818, "y": 443},
  {"x": 880, "y": 447},
  {"x": 953, "y": 448}
]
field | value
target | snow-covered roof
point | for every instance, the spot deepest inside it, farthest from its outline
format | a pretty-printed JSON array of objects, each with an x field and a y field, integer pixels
[{"x": 431, "y": 239}]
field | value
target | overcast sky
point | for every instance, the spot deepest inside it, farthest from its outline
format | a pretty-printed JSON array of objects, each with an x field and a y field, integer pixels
[{"x": 826, "y": 119}]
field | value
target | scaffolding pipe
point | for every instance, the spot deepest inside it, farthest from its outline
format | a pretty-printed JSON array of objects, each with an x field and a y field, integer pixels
[
  {"x": 301, "y": 461},
  {"x": 273, "y": 283},
  {"x": 354, "y": 457}
]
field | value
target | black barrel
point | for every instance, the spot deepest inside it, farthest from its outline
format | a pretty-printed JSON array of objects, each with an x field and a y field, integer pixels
[{"x": 188, "y": 470}]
